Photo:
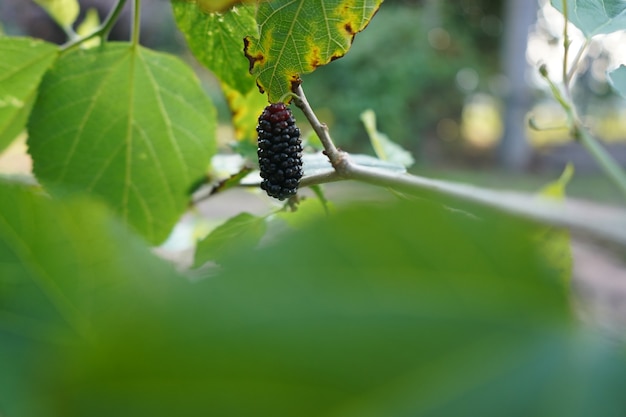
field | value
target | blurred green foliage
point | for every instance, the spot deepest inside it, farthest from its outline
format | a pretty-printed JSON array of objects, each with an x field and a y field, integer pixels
[
  {"x": 403, "y": 66},
  {"x": 405, "y": 309}
]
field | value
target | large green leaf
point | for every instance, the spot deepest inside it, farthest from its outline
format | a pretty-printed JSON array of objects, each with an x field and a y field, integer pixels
[
  {"x": 297, "y": 36},
  {"x": 23, "y": 64},
  {"x": 595, "y": 17},
  {"x": 406, "y": 310},
  {"x": 216, "y": 39},
  {"x": 64, "y": 267},
  {"x": 128, "y": 124}
]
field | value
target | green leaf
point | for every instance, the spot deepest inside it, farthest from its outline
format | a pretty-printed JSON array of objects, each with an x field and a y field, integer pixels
[
  {"x": 216, "y": 39},
  {"x": 64, "y": 12},
  {"x": 64, "y": 267},
  {"x": 23, "y": 64},
  {"x": 383, "y": 146},
  {"x": 595, "y": 17},
  {"x": 405, "y": 310},
  {"x": 295, "y": 37},
  {"x": 240, "y": 232},
  {"x": 556, "y": 189},
  {"x": 127, "y": 124},
  {"x": 556, "y": 242},
  {"x": 617, "y": 79}
]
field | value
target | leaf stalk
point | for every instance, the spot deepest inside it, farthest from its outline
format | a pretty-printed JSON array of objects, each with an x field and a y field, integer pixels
[{"x": 101, "y": 31}]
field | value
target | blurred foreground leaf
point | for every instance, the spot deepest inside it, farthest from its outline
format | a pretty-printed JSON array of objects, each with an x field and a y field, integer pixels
[
  {"x": 595, "y": 17},
  {"x": 23, "y": 64},
  {"x": 127, "y": 124},
  {"x": 295, "y": 37},
  {"x": 66, "y": 271},
  {"x": 405, "y": 310}
]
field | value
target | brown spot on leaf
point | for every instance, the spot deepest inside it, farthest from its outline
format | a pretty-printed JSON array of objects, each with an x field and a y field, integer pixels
[
  {"x": 261, "y": 89},
  {"x": 336, "y": 56},
  {"x": 348, "y": 27},
  {"x": 315, "y": 59},
  {"x": 252, "y": 59},
  {"x": 295, "y": 82}
]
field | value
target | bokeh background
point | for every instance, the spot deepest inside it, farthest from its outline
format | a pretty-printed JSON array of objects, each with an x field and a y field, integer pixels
[{"x": 453, "y": 81}]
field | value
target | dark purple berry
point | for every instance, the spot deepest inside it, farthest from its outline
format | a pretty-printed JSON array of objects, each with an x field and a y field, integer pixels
[{"x": 279, "y": 151}]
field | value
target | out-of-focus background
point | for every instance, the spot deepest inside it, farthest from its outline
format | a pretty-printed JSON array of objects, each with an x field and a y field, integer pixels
[{"x": 453, "y": 81}]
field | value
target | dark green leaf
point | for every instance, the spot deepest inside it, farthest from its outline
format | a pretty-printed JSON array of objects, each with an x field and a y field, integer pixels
[
  {"x": 216, "y": 39},
  {"x": 23, "y": 64},
  {"x": 595, "y": 17},
  {"x": 128, "y": 124}
]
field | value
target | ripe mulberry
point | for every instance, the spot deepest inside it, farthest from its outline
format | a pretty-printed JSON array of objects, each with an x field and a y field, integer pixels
[{"x": 279, "y": 151}]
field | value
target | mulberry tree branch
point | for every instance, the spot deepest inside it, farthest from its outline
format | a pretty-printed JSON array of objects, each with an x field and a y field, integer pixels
[{"x": 582, "y": 217}]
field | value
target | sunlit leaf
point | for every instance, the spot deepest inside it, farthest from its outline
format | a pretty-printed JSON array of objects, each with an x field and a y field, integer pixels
[
  {"x": 216, "y": 39},
  {"x": 23, "y": 64},
  {"x": 64, "y": 12},
  {"x": 88, "y": 25},
  {"x": 556, "y": 189},
  {"x": 617, "y": 78},
  {"x": 128, "y": 124},
  {"x": 297, "y": 36},
  {"x": 240, "y": 232},
  {"x": 385, "y": 149},
  {"x": 595, "y": 17}
]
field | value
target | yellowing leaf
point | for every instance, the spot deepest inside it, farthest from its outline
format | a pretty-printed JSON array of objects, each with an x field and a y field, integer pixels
[
  {"x": 246, "y": 110},
  {"x": 297, "y": 36},
  {"x": 64, "y": 12}
]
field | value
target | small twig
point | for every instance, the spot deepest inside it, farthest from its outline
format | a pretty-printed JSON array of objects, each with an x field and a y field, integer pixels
[
  {"x": 572, "y": 71},
  {"x": 102, "y": 31},
  {"x": 566, "y": 44},
  {"x": 337, "y": 158},
  {"x": 611, "y": 168}
]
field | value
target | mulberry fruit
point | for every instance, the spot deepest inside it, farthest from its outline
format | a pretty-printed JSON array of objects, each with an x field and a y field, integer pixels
[{"x": 279, "y": 151}]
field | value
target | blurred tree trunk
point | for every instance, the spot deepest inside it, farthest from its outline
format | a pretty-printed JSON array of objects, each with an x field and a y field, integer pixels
[{"x": 519, "y": 15}]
